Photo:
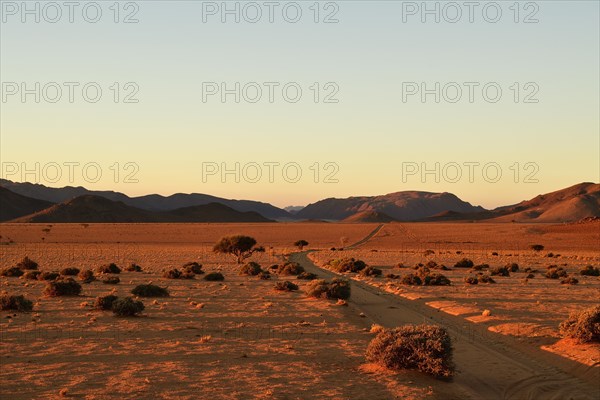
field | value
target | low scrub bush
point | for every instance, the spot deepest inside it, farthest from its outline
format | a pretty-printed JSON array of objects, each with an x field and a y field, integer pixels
[
  {"x": 464, "y": 263},
  {"x": 536, "y": 247},
  {"x": 308, "y": 276},
  {"x": 105, "y": 302},
  {"x": 87, "y": 276},
  {"x": 435, "y": 280},
  {"x": 336, "y": 289},
  {"x": 32, "y": 274},
  {"x": 12, "y": 272},
  {"x": 177, "y": 274},
  {"x": 286, "y": 286},
  {"x": 480, "y": 267},
  {"x": 48, "y": 276},
  {"x": 481, "y": 278},
  {"x": 111, "y": 280},
  {"x": 133, "y": 268},
  {"x": 556, "y": 272},
  {"x": 584, "y": 326},
  {"x": 569, "y": 281},
  {"x": 127, "y": 307},
  {"x": 471, "y": 280},
  {"x": 111, "y": 268},
  {"x": 64, "y": 287},
  {"x": 290, "y": 268},
  {"x": 512, "y": 267},
  {"x": 69, "y": 271},
  {"x": 426, "y": 348},
  {"x": 371, "y": 271},
  {"x": 590, "y": 271},
  {"x": 214, "y": 276},
  {"x": 15, "y": 303},
  {"x": 264, "y": 275},
  {"x": 411, "y": 279},
  {"x": 193, "y": 268},
  {"x": 252, "y": 268},
  {"x": 392, "y": 276},
  {"x": 346, "y": 265},
  {"x": 27, "y": 263},
  {"x": 500, "y": 271},
  {"x": 149, "y": 290}
]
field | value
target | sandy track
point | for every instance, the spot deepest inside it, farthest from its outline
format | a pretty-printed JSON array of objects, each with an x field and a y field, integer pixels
[{"x": 489, "y": 365}]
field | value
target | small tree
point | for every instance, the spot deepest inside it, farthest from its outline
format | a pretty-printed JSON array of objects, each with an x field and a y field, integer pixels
[
  {"x": 241, "y": 247},
  {"x": 300, "y": 244}
]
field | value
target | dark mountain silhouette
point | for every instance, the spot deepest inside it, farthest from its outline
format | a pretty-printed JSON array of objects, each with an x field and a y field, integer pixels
[
  {"x": 90, "y": 209},
  {"x": 13, "y": 205},
  {"x": 152, "y": 202}
]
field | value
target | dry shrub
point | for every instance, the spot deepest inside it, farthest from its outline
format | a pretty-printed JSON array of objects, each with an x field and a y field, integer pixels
[
  {"x": 32, "y": 274},
  {"x": 426, "y": 348},
  {"x": 308, "y": 276},
  {"x": 48, "y": 276},
  {"x": 590, "y": 271},
  {"x": 127, "y": 307},
  {"x": 471, "y": 280},
  {"x": 69, "y": 271},
  {"x": 411, "y": 279},
  {"x": 87, "y": 276},
  {"x": 582, "y": 325},
  {"x": 214, "y": 276},
  {"x": 27, "y": 263},
  {"x": 111, "y": 268},
  {"x": 286, "y": 286},
  {"x": 500, "y": 271},
  {"x": 555, "y": 272},
  {"x": 290, "y": 268},
  {"x": 464, "y": 263},
  {"x": 12, "y": 272},
  {"x": 111, "y": 280},
  {"x": 512, "y": 267},
  {"x": 133, "y": 268},
  {"x": 346, "y": 264},
  {"x": 15, "y": 303},
  {"x": 569, "y": 281},
  {"x": 481, "y": 278},
  {"x": 64, "y": 287},
  {"x": 371, "y": 271},
  {"x": 336, "y": 289},
  {"x": 252, "y": 268},
  {"x": 480, "y": 267},
  {"x": 392, "y": 276},
  {"x": 435, "y": 280},
  {"x": 193, "y": 268},
  {"x": 149, "y": 290},
  {"x": 105, "y": 302},
  {"x": 264, "y": 275},
  {"x": 177, "y": 274}
]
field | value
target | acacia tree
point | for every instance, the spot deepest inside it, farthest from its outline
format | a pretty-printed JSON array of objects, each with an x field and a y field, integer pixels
[
  {"x": 239, "y": 246},
  {"x": 300, "y": 244}
]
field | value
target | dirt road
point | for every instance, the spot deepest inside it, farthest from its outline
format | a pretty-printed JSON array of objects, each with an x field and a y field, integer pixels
[{"x": 489, "y": 365}]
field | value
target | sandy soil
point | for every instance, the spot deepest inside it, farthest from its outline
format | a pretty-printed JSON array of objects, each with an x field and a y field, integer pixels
[{"x": 242, "y": 339}]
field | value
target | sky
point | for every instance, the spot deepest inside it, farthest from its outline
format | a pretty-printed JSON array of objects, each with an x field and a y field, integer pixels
[{"x": 294, "y": 102}]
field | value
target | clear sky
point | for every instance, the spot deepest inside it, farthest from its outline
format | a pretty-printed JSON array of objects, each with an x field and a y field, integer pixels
[{"x": 372, "y": 60}]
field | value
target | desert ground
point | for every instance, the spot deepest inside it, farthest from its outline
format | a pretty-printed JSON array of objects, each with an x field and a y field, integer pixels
[{"x": 241, "y": 339}]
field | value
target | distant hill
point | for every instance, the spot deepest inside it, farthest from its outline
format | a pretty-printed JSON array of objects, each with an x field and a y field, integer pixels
[
  {"x": 152, "y": 202},
  {"x": 566, "y": 205},
  {"x": 13, "y": 205},
  {"x": 369, "y": 217},
  {"x": 97, "y": 209},
  {"x": 575, "y": 203},
  {"x": 401, "y": 206}
]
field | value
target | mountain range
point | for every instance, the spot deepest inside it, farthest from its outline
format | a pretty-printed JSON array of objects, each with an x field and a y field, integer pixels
[{"x": 27, "y": 202}]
